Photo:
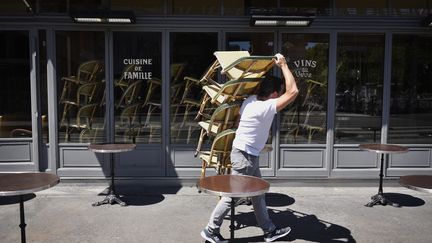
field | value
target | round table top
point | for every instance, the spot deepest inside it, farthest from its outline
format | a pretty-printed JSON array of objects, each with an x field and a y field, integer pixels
[
  {"x": 417, "y": 182},
  {"x": 233, "y": 185},
  {"x": 111, "y": 147},
  {"x": 384, "y": 148},
  {"x": 25, "y": 183}
]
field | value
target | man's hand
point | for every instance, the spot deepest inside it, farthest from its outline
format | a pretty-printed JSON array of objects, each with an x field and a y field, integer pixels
[{"x": 280, "y": 60}]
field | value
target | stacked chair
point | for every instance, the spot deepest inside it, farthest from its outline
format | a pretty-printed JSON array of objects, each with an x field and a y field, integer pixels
[
  {"x": 220, "y": 103},
  {"x": 81, "y": 97}
]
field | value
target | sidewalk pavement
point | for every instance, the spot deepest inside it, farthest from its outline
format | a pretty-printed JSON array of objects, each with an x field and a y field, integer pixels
[{"x": 332, "y": 212}]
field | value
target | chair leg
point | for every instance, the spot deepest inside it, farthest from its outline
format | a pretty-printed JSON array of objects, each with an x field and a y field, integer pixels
[
  {"x": 203, "y": 169},
  {"x": 200, "y": 141},
  {"x": 202, "y": 106}
]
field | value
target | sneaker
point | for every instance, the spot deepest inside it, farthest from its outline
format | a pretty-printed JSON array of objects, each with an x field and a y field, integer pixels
[
  {"x": 212, "y": 237},
  {"x": 276, "y": 234}
]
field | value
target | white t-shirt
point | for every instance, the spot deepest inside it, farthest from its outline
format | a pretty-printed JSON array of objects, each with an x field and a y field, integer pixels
[{"x": 256, "y": 117}]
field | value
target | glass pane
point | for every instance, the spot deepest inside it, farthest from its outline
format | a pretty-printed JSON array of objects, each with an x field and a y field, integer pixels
[
  {"x": 9, "y": 7},
  {"x": 50, "y": 6},
  {"x": 208, "y": 7},
  {"x": 81, "y": 86},
  {"x": 139, "y": 6},
  {"x": 360, "y": 64},
  {"x": 15, "y": 106},
  {"x": 317, "y": 6},
  {"x": 363, "y": 7},
  {"x": 304, "y": 121},
  {"x": 410, "y": 8},
  {"x": 254, "y": 43},
  {"x": 43, "y": 85},
  {"x": 138, "y": 87},
  {"x": 191, "y": 55},
  {"x": 241, "y": 7},
  {"x": 411, "y": 90}
]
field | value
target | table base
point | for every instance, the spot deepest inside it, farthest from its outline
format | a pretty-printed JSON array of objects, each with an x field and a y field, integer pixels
[
  {"x": 111, "y": 198},
  {"x": 380, "y": 199}
]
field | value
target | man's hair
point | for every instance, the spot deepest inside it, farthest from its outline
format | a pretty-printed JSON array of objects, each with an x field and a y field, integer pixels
[{"x": 269, "y": 85}]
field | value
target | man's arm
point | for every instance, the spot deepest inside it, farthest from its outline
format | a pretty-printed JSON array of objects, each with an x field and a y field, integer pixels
[{"x": 291, "y": 90}]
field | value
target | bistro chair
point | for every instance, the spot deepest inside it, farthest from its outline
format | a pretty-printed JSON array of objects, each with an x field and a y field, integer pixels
[
  {"x": 123, "y": 82},
  {"x": 229, "y": 91},
  {"x": 87, "y": 72},
  {"x": 130, "y": 121},
  {"x": 239, "y": 64},
  {"x": 83, "y": 120},
  {"x": 224, "y": 117},
  {"x": 130, "y": 94},
  {"x": 219, "y": 155},
  {"x": 88, "y": 93},
  {"x": 20, "y": 133}
]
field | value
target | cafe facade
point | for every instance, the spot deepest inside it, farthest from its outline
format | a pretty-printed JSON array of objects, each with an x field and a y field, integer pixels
[{"x": 76, "y": 73}]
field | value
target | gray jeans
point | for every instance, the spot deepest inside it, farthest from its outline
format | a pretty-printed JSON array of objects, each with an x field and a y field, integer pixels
[{"x": 243, "y": 164}]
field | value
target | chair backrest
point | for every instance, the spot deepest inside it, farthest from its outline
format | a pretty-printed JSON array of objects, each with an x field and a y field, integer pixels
[
  {"x": 237, "y": 89},
  {"x": 89, "y": 71},
  {"x": 124, "y": 80},
  {"x": 90, "y": 93},
  {"x": 129, "y": 113},
  {"x": 225, "y": 116},
  {"x": 176, "y": 71},
  {"x": 87, "y": 112},
  {"x": 222, "y": 145},
  {"x": 153, "y": 85},
  {"x": 249, "y": 67},
  {"x": 130, "y": 95},
  {"x": 226, "y": 58}
]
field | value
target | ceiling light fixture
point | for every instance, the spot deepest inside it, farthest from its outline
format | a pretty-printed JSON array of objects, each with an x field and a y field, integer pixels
[
  {"x": 110, "y": 17},
  {"x": 271, "y": 17}
]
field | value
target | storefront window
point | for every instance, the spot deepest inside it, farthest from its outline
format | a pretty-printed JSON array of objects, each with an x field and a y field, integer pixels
[
  {"x": 410, "y": 8},
  {"x": 255, "y": 43},
  {"x": 363, "y": 7},
  {"x": 316, "y": 6},
  {"x": 191, "y": 7},
  {"x": 411, "y": 90},
  {"x": 15, "y": 106},
  {"x": 191, "y": 55},
  {"x": 138, "y": 87},
  {"x": 81, "y": 86},
  {"x": 360, "y": 65},
  {"x": 10, "y": 7},
  {"x": 139, "y": 7},
  {"x": 240, "y": 7},
  {"x": 304, "y": 121}
]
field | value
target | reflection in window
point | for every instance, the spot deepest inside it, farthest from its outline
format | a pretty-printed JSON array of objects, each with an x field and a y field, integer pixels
[
  {"x": 138, "y": 87},
  {"x": 80, "y": 86},
  {"x": 360, "y": 64},
  {"x": 191, "y": 56},
  {"x": 15, "y": 107},
  {"x": 304, "y": 121},
  {"x": 411, "y": 90}
]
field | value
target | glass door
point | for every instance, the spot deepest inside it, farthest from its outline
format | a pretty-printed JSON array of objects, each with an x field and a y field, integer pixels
[{"x": 138, "y": 86}]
